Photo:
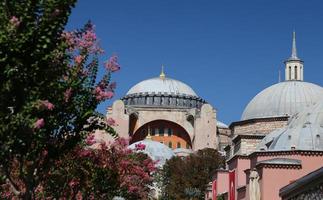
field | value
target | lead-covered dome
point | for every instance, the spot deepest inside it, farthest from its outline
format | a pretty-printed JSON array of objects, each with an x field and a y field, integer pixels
[
  {"x": 162, "y": 92},
  {"x": 155, "y": 150},
  {"x": 283, "y": 99},
  {"x": 303, "y": 132},
  {"x": 163, "y": 86}
]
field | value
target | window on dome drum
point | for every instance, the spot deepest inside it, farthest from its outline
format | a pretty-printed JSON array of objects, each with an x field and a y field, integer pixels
[
  {"x": 187, "y": 146},
  {"x": 290, "y": 73},
  {"x": 178, "y": 145},
  {"x": 170, "y": 132},
  {"x": 156, "y": 131},
  {"x": 170, "y": 145},
  {"x": 153, "y": 132},
  {"x": 295, "y": 72},
  {"x": 161, "y": 131}
]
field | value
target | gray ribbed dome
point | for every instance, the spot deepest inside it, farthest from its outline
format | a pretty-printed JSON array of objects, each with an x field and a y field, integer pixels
[
  {"x": 162, "y": 85},
  {"x": 155, "y": 150},
  {"x": 283, "y": 99},
  {"x": 303, "y": 132}
]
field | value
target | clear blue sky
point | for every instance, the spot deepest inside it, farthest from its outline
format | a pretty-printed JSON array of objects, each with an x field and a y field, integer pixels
[{"x": 227, "y": 51}]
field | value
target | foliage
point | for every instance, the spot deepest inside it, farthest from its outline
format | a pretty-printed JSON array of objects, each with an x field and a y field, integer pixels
[
  {"x": 100, "y": 173},
  {"x": 187, "y": 177},
  {"x": 49, "y": 90}
]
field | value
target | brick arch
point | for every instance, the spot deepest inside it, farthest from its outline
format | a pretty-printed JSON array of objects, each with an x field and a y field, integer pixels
[{"x": 164, "y": 131}]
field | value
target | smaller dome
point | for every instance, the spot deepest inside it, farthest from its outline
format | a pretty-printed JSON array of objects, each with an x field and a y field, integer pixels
[
  {"x": 162, "y": 85},
  {"x": 303, "y": 132},
  {"x": 155, "y": 150},
  {"x": 221, "y": 125},
  {"x": 283, "y": 99},
  {"x": 182, "y": 152}
]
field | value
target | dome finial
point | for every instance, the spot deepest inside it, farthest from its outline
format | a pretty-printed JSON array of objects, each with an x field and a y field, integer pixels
[{"x": 162, "y": 74}]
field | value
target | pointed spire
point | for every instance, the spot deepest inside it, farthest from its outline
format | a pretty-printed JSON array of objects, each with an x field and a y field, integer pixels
[
  {"x": 162, "y": 74},
  {"x": 294, "y": 50}
]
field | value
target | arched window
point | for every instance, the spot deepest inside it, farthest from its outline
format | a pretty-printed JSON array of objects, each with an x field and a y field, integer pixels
[
  {"x": 290, "y": 73},
  {"x": 170, "y": 132},
  {"x": 153, "y": 131},
  {"x": 170, "y": 144},
  {"x": 161, "y": 131},
  {"x": 295, "y": 72},
  {"x": 178, "y": 145},
  {"x": 187, "y": 146},
  {"x": 156, "y": 131}
]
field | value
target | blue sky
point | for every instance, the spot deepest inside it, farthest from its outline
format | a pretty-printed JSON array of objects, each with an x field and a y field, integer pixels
[{"x": 227, "y": 51}]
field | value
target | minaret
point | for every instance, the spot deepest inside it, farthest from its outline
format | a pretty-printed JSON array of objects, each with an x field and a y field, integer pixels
[{"x": 294, "y": 65}]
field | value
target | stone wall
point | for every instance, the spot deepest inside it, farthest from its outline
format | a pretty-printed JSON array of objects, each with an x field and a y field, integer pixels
[
  {"x": 223, "y": 135},
  {"x": 198, "y": 123},
  {"x": 249, "y": 145},
  {"x": 260, "y": 127}
]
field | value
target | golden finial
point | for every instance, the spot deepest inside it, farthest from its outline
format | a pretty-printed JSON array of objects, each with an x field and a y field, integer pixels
[
  {"x": 148, "y": 136},
  {"x": 162, "y": 74}
]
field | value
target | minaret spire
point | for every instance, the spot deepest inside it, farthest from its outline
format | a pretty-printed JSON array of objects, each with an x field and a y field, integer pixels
[{"x": 294, "y": 50}]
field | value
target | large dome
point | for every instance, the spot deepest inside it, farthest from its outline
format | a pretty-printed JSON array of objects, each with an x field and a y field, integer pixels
[
  {"x": 155, "y": 150},
  {"x": 163, "y": 86},
  {"x": 303, "y": 132},
  {"x": 283, "y": 99}
]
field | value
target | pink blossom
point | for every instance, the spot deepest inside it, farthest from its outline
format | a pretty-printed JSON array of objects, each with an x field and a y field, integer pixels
[
  {"x": 112, "y": 64},
  {"x": 111, "y": 122},
  {"x": 90, "y": 139},
  {"x": 14, "y": 21},
  {"x": 101, "y": 94},
  {"x": 140, "y": 147},
  {"x": 78, "y": 59},
  {"x": 67, "y": 94},
  {"x": 84, "y": 153},
  {"x": 47, "y": 105},
  {"x": 79, "y": 196},
  {"x": 39, "y": 123},
  {"x": 73, "y": 183}
]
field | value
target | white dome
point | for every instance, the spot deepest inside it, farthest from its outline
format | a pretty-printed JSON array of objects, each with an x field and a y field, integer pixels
[
  {"x": 162, "y": 85},
  {"x": 283, "y": 99},
  {"x": 220, "y": 124},
  {"x": 155, "y": 150},
  {"x": 303, "y": 132}
]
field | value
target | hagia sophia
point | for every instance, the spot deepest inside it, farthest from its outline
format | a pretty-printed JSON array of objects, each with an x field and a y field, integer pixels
[{"x": 274, "y": 152}]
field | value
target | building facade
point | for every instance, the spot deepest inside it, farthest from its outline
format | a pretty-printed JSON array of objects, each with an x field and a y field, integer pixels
[
  {"x": 277, "y": 141},
  {"x": 170, "y": 112}
]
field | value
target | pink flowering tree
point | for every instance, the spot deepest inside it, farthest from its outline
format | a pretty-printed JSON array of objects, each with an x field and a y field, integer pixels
[
  {"x": 101, "y": 173},
  {"x": 49, "y": 91}
]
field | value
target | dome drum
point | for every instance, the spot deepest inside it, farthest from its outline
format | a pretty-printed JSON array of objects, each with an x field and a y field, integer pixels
[{"x": 163, "y": 100}]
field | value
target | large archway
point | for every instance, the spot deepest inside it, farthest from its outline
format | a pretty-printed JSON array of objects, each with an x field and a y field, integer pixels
[{"x": 166, "y": 132}]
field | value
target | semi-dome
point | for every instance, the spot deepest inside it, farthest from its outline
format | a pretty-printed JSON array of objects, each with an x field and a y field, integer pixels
[
  {"x": 303, "y": 132},
  {"x": 283, "y": 99},
  {"x": 162, "y": 85},
  {"x": 155, "y": 150}
]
